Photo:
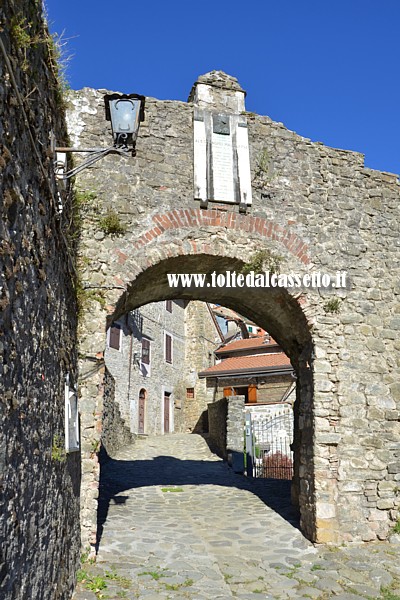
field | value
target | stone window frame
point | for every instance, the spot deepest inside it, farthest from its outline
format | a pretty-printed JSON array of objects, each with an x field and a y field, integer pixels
[
  {"x": 111, "y": 335},
  {"x": 166, "y": 389},
  {"x": 168, "y": 355},
  {"x": 146, "y": 339}
]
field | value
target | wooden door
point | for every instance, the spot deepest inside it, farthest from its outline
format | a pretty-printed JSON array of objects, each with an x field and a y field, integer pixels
[
  {"x": 167, "y": 396},
  {"x": 142, "y": 403}
]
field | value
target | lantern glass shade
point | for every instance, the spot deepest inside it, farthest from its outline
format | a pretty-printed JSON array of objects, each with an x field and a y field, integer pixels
[{"x": 125, "y": 113}]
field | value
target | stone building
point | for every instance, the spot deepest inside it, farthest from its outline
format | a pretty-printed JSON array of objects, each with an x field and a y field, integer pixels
[
  {"x": 39, "y": 480},
  {"x": 255, "y": 368},
  {"x": 144, "y": 355},
  {"x": 153, "y": 356},
  {"x": 235, "y": 326},
  {"x": 213, "y": 188},
  {"x": 203, "y": 336}
]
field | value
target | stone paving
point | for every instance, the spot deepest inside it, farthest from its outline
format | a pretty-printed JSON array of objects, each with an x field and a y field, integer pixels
[{"x": 177, "y": 523}]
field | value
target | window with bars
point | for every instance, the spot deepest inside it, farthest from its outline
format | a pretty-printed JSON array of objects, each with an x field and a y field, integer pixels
[
  {"x": 190, "y": 393},
  {"x": 114, "y": 336},
  {"x": 145, "y": 351},
  {"x": 168, "y": 348},
  {"x": 168, "y": 305}
]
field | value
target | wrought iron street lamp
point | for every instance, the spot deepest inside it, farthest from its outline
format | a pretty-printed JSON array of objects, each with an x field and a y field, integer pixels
[{"x": 125, "y": 111}]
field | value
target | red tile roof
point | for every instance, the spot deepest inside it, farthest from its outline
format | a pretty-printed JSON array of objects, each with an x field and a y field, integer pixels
[
  {"x": 247, "y": 344},
  {"x": 257, "y": 362}
]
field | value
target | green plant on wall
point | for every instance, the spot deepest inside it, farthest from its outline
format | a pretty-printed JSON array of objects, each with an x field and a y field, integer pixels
[
  {"x": 85, "y": 198},
  {"x": 264, "y": 167},
  {"x": 24, "y": 38},
  {"x": 58, "y": 453},
  {"x": 19, "y": 27},
  {"x": 396, "y": 528},
  {"x": 85, "y": 295},
  {"x": 263, "y": 260},
  {"x": 111, "y": 223},
  {"x": 59, "y": 59},
  {"x": 95, "y": 447},
  {"x": 82, "y": 202},
  {"x": 332, "y": 306}
]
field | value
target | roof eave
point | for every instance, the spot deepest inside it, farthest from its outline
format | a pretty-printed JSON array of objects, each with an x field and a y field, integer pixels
[
  {"x": 253, "y": 371},
  {"x": 247, "y": 351}
]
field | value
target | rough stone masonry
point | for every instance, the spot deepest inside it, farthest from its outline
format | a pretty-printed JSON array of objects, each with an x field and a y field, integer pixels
[
  {"x": 317, "y": 209},
  {"x": 39, "y": 483}
]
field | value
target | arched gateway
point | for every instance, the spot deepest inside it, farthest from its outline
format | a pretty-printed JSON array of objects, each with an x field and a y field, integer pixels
[{"x": 312, "y": 208}]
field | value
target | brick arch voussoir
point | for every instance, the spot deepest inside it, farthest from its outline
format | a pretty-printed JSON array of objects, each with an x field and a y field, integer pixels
[{"x": 195, "y": 218}]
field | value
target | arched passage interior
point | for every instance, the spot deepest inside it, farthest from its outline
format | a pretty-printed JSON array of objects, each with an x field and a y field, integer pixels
[{"x": 274, "y": 309}]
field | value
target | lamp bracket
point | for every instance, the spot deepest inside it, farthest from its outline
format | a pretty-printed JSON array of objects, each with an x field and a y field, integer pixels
[{"x": 125, "y": 111}]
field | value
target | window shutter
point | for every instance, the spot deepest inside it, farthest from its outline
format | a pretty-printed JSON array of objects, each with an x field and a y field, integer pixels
[
  {"x": 145, "y": 351},
  {"x": 115, "y": 336},
  {"x": 252, "y": 393},
  {"x": 168, "y": 348}
]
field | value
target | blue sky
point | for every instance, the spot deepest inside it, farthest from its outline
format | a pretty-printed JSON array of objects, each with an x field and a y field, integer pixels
[{"x": 329, "y": 70}]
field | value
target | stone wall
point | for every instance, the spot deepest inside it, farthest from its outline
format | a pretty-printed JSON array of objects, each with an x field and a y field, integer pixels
[
  {"x": 217, "y": 416},
  {"x": 275, "y": 388},
  {"x": 39, "y": 484},
  {"x": 114, "y": 434},
  {"x": 226, "y": 423},
  {"x": 202, "y": 339},
  {"x": 319, "y": 209},
  {"x": 235, "y": 432}
]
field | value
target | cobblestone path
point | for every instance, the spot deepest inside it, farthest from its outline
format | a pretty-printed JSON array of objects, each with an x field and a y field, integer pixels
[{"x": 178, "y": 524}]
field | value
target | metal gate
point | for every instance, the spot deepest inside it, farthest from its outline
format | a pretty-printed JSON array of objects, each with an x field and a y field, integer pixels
[{"x": 268, "y": 445}]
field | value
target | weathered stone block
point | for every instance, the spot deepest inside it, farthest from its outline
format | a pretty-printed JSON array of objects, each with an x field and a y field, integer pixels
[
  {"x": 330, "y": 438},
  {"x": 395, "y": 390},
  {"x": 394, "y": 467},
  {"x": 323, "y": 386},
  {"x": 351, "y": 486},
  {"x": 386, "y": 486},
  {"x": 377, "y": 515},
  {"x": 322, "y": 366},
  {"x": 326, "y": 510},
  {"x": 394, "y": 323},
  {"x": 326, "y": 531}
]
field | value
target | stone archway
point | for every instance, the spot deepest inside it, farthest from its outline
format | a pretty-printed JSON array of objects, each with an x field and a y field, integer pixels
[
  {"x": 319, "y": 209},
  {"x": 274, "y": 309}
]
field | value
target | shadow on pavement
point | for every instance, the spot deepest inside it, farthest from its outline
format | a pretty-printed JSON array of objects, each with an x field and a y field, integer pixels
[{"x": 118, "y": 476}]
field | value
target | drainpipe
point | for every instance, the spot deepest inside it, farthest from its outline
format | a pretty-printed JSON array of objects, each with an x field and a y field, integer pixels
[{"x": 130, "y": 366}]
